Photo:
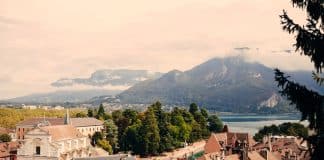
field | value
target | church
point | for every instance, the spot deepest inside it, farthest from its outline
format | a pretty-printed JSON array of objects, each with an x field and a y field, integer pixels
[
  {"x": 59, "y": 142},
  {"x": 56, "y": 138}
]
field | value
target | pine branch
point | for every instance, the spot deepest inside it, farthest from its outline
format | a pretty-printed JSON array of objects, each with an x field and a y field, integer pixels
[
  {"x": 314, "y": 8},
  {"x": 309, "y": 39},
  {"x": 306, "y": 101},
  {"x": 318, "y": 78}
]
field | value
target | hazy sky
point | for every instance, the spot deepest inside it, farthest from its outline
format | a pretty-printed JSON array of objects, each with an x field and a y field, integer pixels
[{"x": 45, "y": 40}]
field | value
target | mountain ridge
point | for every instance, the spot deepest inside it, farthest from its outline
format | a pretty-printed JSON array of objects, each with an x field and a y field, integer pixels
[{"x": 224, "y": 84}]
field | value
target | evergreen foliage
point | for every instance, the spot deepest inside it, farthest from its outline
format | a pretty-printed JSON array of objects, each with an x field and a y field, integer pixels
[
  {"x": 215, "y": 124},
  {"x": 111, "y": 132},
  {"x": 309, "y": 42},
  {"x": 155, "y": 130},
  {"x": 101, "y": 113},
  {"x": 5, "y": 138}
]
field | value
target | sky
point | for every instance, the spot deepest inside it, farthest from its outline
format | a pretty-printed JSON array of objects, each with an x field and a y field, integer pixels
[{"x": 42, "y": 41}]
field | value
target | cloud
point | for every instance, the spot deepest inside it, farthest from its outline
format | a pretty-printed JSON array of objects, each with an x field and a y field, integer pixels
[
  {"x": 283, "y": 51},
  {"x": 109, "y": 77},
  {"x": 242, "y": 48},
  {"x": 45, "y": 40}
]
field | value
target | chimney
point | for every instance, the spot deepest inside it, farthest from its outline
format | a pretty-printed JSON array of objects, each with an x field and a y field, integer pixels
[{"x": 225, "y": 129}]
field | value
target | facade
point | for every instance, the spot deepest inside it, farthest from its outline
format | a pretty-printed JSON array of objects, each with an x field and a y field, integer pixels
[
  {"x": 59, "y": 142},
  {"x": 87, "y": 126}
]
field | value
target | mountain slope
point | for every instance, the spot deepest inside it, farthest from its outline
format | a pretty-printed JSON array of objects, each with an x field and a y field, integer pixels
[
  {"x": 62, "y": 96},
  {"x": 229, "y": 84}
]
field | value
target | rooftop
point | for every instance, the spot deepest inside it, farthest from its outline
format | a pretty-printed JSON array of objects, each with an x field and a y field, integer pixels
[
  {"x": 62, "y": 132},
  {"x": 77, "y": 122}
]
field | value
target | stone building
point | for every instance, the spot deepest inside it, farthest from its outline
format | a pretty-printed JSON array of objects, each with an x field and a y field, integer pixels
[
  {"x": 87, "y": 126},
  {"x": 59, "y": 142}
]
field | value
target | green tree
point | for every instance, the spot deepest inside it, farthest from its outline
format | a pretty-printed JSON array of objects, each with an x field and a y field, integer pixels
[
  {"x": 104, "y": 144},
  {"x": 163, "y": 120},
  {"x": 101, "y": 112},
  {"x": 81, "y": 115},
  {"x": 90, "y": 113},
  {"x": 309, "y": 42},
  {"x": 132, "y": 138},
  {"x": 287, "y": 129},
  {"x": 204, "y": 112},
  {"x": 202, "y": 121},
  {"x": 96, "y": 136},
  {"x": 193, "y": 108},
  {"x": 196, "y": 132},
  {"x": 5, "y": 138},
  {"x": 112, "y": 134},
  {"x": 215, "y": 124},
  {"x": 150, "y": 134},
  {"x": 131, "y": 115}
]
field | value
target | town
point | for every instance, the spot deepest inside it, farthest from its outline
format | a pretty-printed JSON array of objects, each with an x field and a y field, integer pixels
[
  {"x": 161, "y": 80},
  {"x": 76, "y": 138}
]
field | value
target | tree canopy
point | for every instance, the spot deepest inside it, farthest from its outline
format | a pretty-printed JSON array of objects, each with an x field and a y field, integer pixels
[
  {"x": 286, "y": 129},
  {"x": 156, "y": 130}
]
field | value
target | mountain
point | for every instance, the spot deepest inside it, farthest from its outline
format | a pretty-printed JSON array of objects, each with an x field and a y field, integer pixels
[
  {"x": 62, "y": 96},
  {"x": 120, "y": 77},
  {"x": 228, "y": 84}
]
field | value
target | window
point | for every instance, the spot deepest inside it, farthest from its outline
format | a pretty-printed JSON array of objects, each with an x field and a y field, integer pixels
[{"x": 37, "y": 150}]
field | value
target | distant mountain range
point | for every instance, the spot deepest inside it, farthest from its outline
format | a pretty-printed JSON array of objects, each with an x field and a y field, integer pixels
[
  {"x": 220, "y": 84},
  {"x": 229, "y": 84},
  {"x": 120, "y": 77}
]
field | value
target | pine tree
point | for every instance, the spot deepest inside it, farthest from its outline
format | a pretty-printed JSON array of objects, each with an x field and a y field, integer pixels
[
  {"x": 309, "y": 42},
  {"x": 101, "y": 112},
  {"x": 193, "y": 108},
  {"x": 150, "y": 134}
]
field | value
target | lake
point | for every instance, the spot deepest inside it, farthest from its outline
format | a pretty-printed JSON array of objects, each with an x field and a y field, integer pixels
[{"x": 252, "y": 123}]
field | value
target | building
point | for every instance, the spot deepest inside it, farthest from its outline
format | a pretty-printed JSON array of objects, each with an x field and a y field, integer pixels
[
  {"x": 87, "y": 126},
  {"x": 230, "y": 146},
  {"x": 282, "y": 147},
  {"x": 59, "y": 142},
  {"x": 8, "y": 150}
]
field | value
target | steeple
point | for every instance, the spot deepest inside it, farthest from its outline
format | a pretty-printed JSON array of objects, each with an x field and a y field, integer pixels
[{"x": 67, "y": 120}]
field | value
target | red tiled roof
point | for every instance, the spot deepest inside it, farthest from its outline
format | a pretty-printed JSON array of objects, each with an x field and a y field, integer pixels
[{"x": 212, "y": 145}]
